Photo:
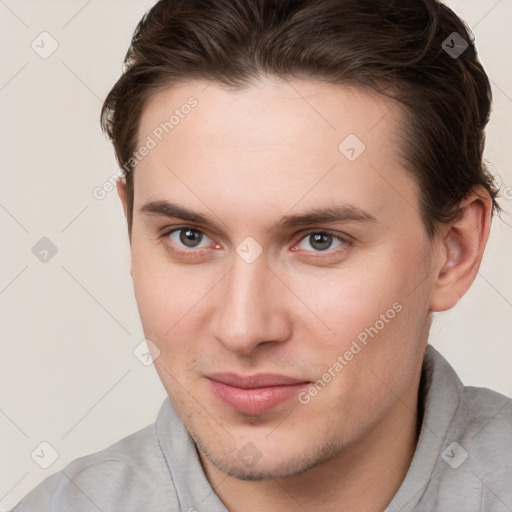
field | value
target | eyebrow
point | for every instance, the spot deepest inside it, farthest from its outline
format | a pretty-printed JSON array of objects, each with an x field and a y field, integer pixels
[{"x": 335, "y": 213}]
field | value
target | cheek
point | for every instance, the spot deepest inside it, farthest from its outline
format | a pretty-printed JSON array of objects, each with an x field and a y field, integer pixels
[
  {"x": 158, "y": 294},
  {"x": 169, "y": 296},
  {"x": 345, "y": 304},
  {"x": 373, "y": 312},
  {"x": 165, "y": 298}
]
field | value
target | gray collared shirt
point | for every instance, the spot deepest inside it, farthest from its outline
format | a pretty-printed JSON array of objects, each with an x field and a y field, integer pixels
[{"x": 462, "y": 463}]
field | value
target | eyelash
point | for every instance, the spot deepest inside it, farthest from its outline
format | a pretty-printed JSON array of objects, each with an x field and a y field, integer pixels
[{"x": 200, "y": 252}]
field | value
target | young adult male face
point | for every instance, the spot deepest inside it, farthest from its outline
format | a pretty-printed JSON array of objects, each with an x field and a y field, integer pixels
[{"x": 250, "y": 160}]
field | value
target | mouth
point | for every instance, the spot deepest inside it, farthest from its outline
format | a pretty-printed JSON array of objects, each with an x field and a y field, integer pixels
[{"x": 254, "y": 394}]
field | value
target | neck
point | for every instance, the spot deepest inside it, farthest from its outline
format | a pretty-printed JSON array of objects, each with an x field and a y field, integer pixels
[{"x": 364, "y": 477}]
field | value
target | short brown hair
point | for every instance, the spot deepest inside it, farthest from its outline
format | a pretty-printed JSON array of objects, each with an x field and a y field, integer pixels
[{"x": 397, "y": 48}]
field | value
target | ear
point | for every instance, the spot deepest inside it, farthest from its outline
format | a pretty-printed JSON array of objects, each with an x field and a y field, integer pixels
[
  {"x": 461, "y": 248},
  {"x": 121, "y": 192}
]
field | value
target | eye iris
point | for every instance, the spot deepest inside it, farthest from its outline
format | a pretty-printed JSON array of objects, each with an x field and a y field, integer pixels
[
  {"x": 320, "y": 241},
  {"x": 188, "y": 237}
]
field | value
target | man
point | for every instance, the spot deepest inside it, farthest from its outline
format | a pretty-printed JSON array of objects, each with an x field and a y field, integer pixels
[{"x": 303, "y": 187}]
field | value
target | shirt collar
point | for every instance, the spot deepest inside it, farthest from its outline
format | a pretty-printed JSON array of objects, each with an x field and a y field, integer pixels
[{"x": 438, "y": 397}]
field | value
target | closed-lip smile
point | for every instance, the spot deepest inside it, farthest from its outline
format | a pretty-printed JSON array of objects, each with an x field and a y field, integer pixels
[{"x": 254, "y": 394}]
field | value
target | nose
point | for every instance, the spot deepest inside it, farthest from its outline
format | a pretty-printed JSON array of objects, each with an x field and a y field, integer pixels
[{"x": 251, "y": 307}]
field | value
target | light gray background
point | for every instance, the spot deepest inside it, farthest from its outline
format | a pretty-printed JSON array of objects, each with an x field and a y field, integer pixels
[{"x": 68, "y": 375}]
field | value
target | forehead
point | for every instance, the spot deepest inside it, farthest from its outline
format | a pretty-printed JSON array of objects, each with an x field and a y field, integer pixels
[
  {"x": 274, "y": 140},
  {"x": 309, "y": 110}
]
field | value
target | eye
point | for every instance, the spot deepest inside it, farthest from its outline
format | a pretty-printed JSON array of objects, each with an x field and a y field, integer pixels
[
  {"x": 321, "y": 241},
  {"x": 191, "y": 241},
  {"x": 188, "y": 237}
]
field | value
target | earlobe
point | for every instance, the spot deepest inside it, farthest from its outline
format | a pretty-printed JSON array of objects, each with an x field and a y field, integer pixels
[{"x": 461, "y": 251}]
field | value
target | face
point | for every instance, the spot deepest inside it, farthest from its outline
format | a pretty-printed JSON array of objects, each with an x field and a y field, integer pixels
[{"x": 290, "y": 316}]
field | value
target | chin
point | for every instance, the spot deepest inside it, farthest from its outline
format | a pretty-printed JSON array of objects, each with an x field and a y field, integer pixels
[{"x": 261, "y": 467}]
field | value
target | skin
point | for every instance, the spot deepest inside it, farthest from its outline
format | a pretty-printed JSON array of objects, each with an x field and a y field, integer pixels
[{"x": 246, "y": 158}]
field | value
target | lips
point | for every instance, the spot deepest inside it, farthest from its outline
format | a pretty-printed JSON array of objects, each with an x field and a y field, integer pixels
[{"x": 254, "y": 394}]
